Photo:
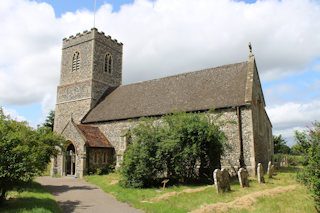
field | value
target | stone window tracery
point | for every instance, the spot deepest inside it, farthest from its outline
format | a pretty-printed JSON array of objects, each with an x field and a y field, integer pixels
[
  {"x": 108, "y": 63},
  {"x": 76, "y": 62}
]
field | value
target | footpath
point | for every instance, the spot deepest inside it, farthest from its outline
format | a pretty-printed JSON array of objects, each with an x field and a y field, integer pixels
[{"x": 76, "y": 195}]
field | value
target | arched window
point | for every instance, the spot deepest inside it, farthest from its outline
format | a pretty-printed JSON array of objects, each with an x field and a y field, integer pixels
[
  {"x": 108, "y": 63},
  {"x": 76, "y": 62}
]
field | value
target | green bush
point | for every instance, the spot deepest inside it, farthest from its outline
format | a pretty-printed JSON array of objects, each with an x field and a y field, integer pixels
[
  {"x": 24, "y": 152},
  {"x": 311, "y": 173},
  {"x": 100, "y": 170},
  {"x": 181, "y": 147}
]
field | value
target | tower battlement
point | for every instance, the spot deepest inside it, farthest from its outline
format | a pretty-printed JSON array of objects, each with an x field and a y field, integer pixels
[{"x": 89, "y": 35}]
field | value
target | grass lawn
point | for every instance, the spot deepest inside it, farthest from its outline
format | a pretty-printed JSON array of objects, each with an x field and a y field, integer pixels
[
  {"x": 34, "y": 199},
  {"x": 272, "y": 199}
]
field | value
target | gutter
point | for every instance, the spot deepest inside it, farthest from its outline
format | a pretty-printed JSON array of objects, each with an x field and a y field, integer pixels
[{"x": 241, "y": 158}]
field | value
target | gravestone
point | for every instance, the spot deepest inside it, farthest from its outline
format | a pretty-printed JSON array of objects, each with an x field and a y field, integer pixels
[
  {"x": 226, "y": 179},
  {"x": 260, "y": 173},
  {"x": 243, "y": 177},
  {"x": 270, "y": 173},
  {"x": 284, "y": 161},
  {"x": 221, "y": 180}
]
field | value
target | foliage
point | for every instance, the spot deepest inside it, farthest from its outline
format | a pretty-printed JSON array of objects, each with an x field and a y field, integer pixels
[
  {"x": 303, "y": 142},
  {"x": 101, "y": 170},
  {"x": 175, "y": 148},
  {"x": 24, "y": 152},
  {"x": 280, "y": 145},
  {"x": 49, "y": 120},
  {"x": 310, "y": 144}
]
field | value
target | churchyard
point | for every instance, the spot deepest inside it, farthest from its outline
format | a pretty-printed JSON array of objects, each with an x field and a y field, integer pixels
[{"x": 280, "y": 193}]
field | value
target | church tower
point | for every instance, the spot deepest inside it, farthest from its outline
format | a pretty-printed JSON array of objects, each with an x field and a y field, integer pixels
[{"x": 91, "y": 63}]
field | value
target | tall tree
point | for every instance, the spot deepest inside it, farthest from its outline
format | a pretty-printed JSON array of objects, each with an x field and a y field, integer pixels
[
  {"x": 49, "y": 120},
  {"x": 280, "y": 145}
]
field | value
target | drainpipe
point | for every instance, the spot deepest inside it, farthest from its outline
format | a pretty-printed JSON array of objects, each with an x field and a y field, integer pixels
[{"x": 241, "y": 160}]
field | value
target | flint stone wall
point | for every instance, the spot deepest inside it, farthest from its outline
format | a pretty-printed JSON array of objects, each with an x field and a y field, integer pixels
[{"x": 114, "y": 130}]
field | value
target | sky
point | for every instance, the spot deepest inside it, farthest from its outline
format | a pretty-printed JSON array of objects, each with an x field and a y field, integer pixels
[{"x": 167, "y": 37}]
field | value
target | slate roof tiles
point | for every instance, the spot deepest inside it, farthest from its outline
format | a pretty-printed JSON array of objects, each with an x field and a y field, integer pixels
[{"x": 218, "y": 87}]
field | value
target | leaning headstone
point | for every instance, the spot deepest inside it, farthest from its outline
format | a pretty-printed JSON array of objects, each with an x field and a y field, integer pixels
[
  {"x": 220, "y": 181},
  {"x": 226, "y": 179},
  {"x": 243, "y": 177},
  {"x": 270, "y": 173},
  {"x": 260, "y": 173}
]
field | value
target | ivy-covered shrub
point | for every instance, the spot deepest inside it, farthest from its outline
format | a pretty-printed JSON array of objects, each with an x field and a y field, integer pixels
[{"x": 181, "y": 147}]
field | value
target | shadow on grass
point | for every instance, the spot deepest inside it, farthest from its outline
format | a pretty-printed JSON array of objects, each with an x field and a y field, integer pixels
[
  {"x": 29, "y": 204},
  {"x": 288, "y": 170}
]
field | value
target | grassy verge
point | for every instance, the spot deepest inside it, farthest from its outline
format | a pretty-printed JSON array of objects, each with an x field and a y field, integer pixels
[
  {"x": 295, "y": 200},
  {"x": 34, "y": 199}
]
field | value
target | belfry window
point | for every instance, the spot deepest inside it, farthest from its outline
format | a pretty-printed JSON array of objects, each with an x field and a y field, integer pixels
[
  {"x": 108, "y": 63},
  {"x": 76, "y": 62}
]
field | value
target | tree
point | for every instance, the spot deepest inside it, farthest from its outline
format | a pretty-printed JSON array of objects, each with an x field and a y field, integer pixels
[
  {"x": 303, "y": 142},
  {"x": 24, "y": 152},
  {"x": 49, "y": 120},
  {"x": 181, "y": 147},
  {"x": 280, "y": 145},
  {"x": 309, "y": 142}
]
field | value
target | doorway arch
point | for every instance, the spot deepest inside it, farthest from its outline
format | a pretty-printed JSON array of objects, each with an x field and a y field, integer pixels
[{"x": 70, "y": 160}]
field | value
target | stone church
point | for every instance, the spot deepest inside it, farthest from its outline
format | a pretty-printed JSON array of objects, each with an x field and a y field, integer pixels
[{"x": 94, "y": 110}]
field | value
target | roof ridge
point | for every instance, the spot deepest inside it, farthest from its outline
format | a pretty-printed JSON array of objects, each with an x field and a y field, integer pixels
[{"x": 185, "y": 73}]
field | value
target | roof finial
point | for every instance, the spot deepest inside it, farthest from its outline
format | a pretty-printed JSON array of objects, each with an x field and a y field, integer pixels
[{"x": 251, "y": 56}]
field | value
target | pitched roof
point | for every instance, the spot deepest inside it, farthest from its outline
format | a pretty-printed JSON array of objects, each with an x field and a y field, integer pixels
[
  {"x": 94, "y": 136},
  {"x": 201, "y": 90}
]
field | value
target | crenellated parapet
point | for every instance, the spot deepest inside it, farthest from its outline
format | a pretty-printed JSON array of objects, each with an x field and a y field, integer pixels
[{"x": 90, "y": 35}]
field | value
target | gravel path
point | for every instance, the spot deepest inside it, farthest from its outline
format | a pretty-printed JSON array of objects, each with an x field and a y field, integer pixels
[{"x": 76, "y": 195}]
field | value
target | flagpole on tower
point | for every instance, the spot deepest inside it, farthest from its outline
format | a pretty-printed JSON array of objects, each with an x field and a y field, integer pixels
[{"x": 94, "y": 15}]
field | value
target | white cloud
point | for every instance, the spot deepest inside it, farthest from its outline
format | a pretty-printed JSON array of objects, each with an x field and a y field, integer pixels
[
  {"x": 160, "y": 38},
  {"x": 288, "y": 117},
  {"x": 13, "y": 114},
  {"x": 294, "y": 114}
]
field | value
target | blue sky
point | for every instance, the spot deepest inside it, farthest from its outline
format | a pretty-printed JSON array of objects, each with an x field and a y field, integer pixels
[
  {"x": 62, "y": 6},
  {"x": 188, "y": 34}
]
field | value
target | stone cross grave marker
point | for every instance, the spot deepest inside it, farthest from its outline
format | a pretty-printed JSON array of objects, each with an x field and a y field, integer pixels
[
  {"x": 221, "y": 180},
  {"x": 243, "y": 177},
  {"x": 260, "y": 173}
]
